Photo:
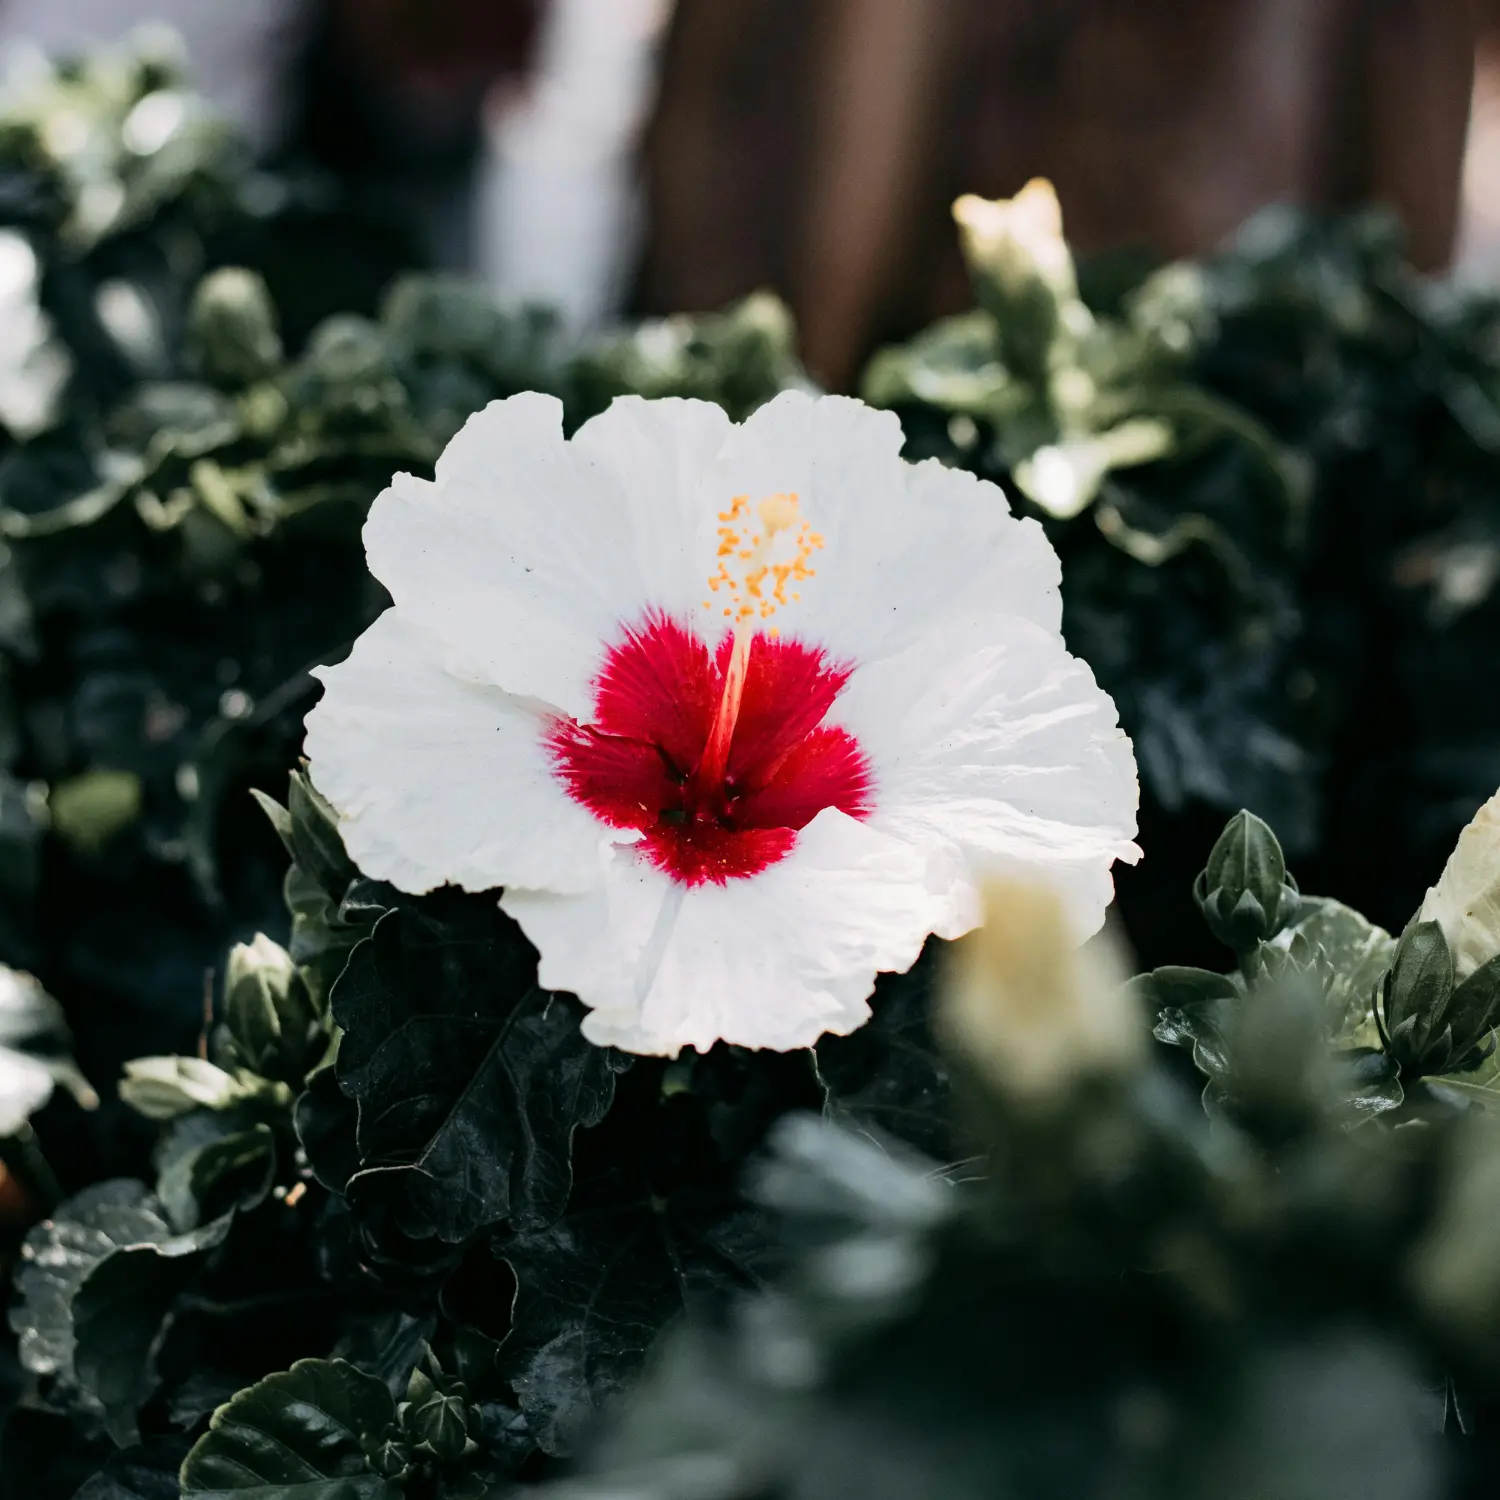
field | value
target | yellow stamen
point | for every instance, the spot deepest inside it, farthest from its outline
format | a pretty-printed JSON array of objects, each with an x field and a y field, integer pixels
[{"x": 775, "y": 555}]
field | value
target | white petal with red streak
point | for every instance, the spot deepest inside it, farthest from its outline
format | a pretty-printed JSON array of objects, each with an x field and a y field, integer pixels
[{"x": 774, "y": 961}]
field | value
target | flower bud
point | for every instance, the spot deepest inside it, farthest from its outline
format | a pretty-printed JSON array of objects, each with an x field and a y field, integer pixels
[
  {"x": 1465, "y": 902},
  {"x": 232, "y": 339},
  {"x": 1033, "y": 1011},
  {"x": 1245, "y": 893},
  {"x": 1022, "y": 270},
  {"x": 271, "y": 1025},
  {"x": 1018, "y": 241}
]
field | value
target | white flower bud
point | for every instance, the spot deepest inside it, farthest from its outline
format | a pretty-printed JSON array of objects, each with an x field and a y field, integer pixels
[
  {"x": 1034, "y": 1011},
  {"x": 1018, "y": 240}
]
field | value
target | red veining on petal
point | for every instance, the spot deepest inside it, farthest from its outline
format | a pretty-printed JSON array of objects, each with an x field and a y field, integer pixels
[{"x": 641, "y": 763}]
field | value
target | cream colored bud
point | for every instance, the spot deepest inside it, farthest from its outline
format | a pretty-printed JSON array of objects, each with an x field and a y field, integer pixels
[
  {"x": 1034, "y": 1011},
  {"x": 1018, "y": 239},
  {"x": 1465, "y": 902},
  {"x": 260, "y": 961}
]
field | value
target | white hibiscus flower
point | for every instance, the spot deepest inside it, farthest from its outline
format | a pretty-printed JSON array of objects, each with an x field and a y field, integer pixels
[{"x": 737, "y": 715}]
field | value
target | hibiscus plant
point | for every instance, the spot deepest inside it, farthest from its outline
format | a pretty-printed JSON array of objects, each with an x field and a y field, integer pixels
[{"x": 564, "y": 866}]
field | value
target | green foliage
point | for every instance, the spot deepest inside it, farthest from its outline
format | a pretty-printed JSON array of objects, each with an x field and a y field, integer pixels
[
  {"x": 469, "y": 1080},
  {"x": 407, "y": 1234},
  {"x": 1292, "y": 1297},
  {"x": 302, "y": 1435},
  {"x": 738, "y": 358}
]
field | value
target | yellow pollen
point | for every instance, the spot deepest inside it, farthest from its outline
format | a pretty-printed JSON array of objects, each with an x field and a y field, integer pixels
[{"x": 775, "y": 554}]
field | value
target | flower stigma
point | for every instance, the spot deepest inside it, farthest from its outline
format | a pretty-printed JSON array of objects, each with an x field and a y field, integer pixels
[
  {"x": 755, "y": 569},
  {"x": 718, "y": 755}
]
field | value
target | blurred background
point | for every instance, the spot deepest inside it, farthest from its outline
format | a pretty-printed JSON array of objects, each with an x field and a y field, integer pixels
[{"x": 641, "y": 156}]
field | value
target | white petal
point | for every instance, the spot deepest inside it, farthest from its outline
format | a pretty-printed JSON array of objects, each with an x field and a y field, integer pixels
[
  {"x": 773, "y": 960},
  {"x": 1465, "y": 902},
  {"x": 526, "y": 554},
  {"x": 1004, "y": 746},
  {"x": 905, "y": 546},
  {"x": 441, "y": 781},
  {"x": 26, "y": 1084}
]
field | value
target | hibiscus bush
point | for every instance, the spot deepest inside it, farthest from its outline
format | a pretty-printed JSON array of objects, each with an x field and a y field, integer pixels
[{"x": 484, "y": 822}]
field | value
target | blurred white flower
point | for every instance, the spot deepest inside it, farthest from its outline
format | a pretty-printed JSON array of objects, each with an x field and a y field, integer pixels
[
  {"x": 32, "y": 1033},
  {"x": 1020, "y": 239},
  {"x": 34, "y": 367},
  {"x": 737, "y": 715},
  {"x": 1465, "y": 902},
  {"x": 1035, "y": 1012}
]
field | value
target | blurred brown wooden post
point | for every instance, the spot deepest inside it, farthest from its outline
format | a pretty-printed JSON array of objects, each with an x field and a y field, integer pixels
[{"x": 813, "y": 145}]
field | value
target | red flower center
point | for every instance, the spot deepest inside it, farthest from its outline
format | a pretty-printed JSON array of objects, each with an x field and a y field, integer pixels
[{"x": 717, "y": 758}]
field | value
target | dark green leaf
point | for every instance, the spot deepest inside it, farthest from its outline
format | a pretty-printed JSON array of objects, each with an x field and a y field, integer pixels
[
  {"x": 148, "y": 1472},
  {"x": 890, "y": 1073},
  {"x": 60, "y": 1253},
  {"x": 327, "y": 1120},
  {"x": 470, "y": 1080},
  {"x": 300, "y": 1435},
  {"x": 317, "y": 844},
  {"x": 1353, "y": 952},
  {"x": 1474, "y": 1009},
  {"x": 1172, "y": 987},
  {"x": 211, "y": 1162},
  {"x": 118, "y": 1312},
  {"x": 597, "y": 1288}
]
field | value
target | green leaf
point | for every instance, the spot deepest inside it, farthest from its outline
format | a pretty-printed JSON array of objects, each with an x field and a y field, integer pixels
[
  {"x": 470, "y": 1079},
  {"x": 118, "y": 1314},
  {"x": 890, "y": 1073},
  {"x": 1482, "y": 1085},
  {"x": 1353, "y": 953},
  {"x": 1195, "y": 1008},
  {"x": 1474, "y": 1009},
  {"x": 96, "y": 1282},
  {"x": 1172, "y": 987},
  {"x": 212, "y": 1161},
  {"x": 596, "y": 1288},
  {"x": 316, "y": 842},
  {"x": 144, "y": 1473},
  {"x": 302, "y": 1434},
  {"x": 327, "y": 1122},
  {"x": 281, "y": 819}
]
